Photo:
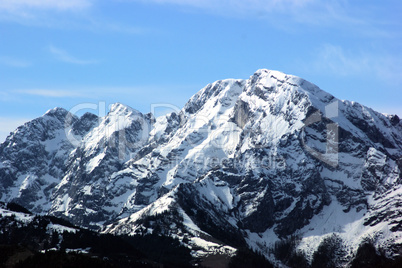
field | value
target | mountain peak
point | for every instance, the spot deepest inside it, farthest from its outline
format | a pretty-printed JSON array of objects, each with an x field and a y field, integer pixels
[
  {"x": 57, "y": 112},
  {"x": 261, "y": 72},
  {"x": 122, "y": 109},
  {"x": 278, "y": 77},
  {"x": 246, "y": 162}
]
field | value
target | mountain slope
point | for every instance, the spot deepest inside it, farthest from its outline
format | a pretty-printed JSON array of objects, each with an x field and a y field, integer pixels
[
  {"x": 243, "y": 164},
  {"x": 33, "y": 158}
]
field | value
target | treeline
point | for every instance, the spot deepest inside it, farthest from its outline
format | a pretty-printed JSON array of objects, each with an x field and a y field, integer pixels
[
  {"x": 33, "y": 244},
  {"x": 331, "y": 254}
]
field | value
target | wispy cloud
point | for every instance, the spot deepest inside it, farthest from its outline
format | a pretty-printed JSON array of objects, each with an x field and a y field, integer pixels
[
  {"x": 235, "y": 4},
  {"x": 13, "y": 62},
  {"x": 64, "y": 56},
  {"x": 48, "y": 13},
  {"x": 247, "y": 7},
  {"x": 290, "y": 15},
  {"x": 335, "y": 60},
  {"x": 25, "y": 5},
  {"x": 50, "y": 93},
  {"x": 62, "y": 14}
]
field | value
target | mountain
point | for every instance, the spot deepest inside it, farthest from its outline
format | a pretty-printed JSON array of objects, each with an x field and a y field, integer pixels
[{"x": 245, "y": 164}]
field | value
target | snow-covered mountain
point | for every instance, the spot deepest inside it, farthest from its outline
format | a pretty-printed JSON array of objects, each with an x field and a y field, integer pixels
[{"x": 245, "y": 163}]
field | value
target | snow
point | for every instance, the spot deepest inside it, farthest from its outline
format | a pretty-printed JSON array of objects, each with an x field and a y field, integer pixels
[
  {"x": 210, "y": 248},
  {"x": 78, "y": 250},
  {"x": 87, "y": 189},
  {"x": 119, "y": 118},
  {"x": 27, "y": 218},
  {"x": 262, "y": 242},
  {"x": 64, "y": 204},
  {"x": 157, "y": 207},
  {"x": 21, "y": 217},
  {"x": 54, "y": 144},
  {"x": 349, "y": 226},
  {"x": 277, "y": 106},
  {"x": 29, "y": 180},
  {"x": 60, "y": 228},
  {"x": 332, "y": 220},
  {"x": 188, "y": 222},
  {"x": 347, "y": 177},
  {"x": 94, "y": 162},
  {"x": 376, "y": 157},
  {"x": 217, "y": 192},
  {"x": 89, "y": 211}
]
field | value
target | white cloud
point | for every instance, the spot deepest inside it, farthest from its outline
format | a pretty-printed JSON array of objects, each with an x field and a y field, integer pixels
[
  {"x": 64, "y": 56},
  {"x": 335, "y": 60},
  {"x": 235, "y": 4},
  {"x": 290, "y": 15},
  {"x": 9, "y": 124},
  {"x": 300, "y": 10},
  {"x": 62, "y": 14},
  {"x": 50, "y": 93},
  {"x": 24, "y": 5},
  {"x": 13, "y": 62},
  {"x": 41, "y": 12}
]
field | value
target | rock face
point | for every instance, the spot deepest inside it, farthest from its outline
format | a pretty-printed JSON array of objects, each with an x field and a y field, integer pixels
[
  {"x": 33, "y": 158},
  {"x": 244, "y": 163}
]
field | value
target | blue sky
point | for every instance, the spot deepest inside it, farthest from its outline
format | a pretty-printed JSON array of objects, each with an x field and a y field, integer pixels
[{"x": 68, "y": 52}]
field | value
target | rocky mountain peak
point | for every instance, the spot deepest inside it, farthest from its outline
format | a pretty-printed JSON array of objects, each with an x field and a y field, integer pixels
[
  {"x": 59, "y": 113},
  {"x": 122, "y": 110},
  {"x": 245, "y": 162}
]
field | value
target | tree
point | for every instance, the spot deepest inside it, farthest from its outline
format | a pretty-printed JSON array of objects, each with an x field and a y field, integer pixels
[{"x": 330, "y": 253}]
